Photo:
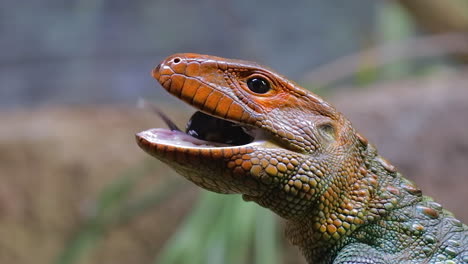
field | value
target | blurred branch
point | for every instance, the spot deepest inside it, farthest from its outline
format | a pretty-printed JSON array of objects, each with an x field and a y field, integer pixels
[
  {"x": 439, "y": 16},
  {"x": 436, "y": 16},
  {"x": 430, "y": 46}
]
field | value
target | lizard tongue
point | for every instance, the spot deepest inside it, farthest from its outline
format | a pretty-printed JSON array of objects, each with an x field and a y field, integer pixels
[{"x": 175, "y": 138}]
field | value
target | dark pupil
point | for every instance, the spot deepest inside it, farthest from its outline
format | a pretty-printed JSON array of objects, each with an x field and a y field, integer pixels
[{"x": 258, "y": 85}]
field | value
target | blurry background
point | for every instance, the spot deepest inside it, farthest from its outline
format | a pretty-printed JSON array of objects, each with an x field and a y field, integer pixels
[{"x": 75, "y": 188}]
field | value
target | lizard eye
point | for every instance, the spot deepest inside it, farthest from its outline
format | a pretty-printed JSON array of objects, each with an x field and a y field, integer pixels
[{"x": 258, "y": 85}]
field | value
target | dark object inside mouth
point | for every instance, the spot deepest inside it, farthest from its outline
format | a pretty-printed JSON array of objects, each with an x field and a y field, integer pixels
[{"x": 209, "y": 128}]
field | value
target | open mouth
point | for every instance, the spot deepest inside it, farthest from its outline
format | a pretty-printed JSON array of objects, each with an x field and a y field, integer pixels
[
  {"x": 202, "y": 131},
  {"x": 205, "y": 127}
]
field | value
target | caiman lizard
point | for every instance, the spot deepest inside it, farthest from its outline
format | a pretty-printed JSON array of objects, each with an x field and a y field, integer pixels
[{"x": 260, "y": 135}]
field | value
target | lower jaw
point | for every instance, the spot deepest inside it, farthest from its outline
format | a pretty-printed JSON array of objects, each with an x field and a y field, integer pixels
[
  {"x": 174, "y": 139},
  {"x": 206, "y": 165},
  {"x": 178, "y": 147}
]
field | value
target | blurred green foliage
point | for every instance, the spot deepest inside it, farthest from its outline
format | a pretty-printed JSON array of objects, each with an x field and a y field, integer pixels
[
  {"x": 224, "y": 229},
  {"x": 113, "y": 208}
]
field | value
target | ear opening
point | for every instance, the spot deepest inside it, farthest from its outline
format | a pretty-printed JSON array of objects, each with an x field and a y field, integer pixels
[{"x": 327, "y": 130}]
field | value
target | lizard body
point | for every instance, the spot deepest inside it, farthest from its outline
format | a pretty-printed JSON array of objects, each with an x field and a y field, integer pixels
[{"x": 288, "y": 150}]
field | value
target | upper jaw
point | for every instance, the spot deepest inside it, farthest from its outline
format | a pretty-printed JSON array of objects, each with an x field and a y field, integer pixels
[
  {"x": 208, "y": 128},
  {"x": 176, "y": 74}
]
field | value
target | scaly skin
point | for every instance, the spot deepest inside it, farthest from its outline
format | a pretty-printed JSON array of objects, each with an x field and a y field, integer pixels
[{"x": 343, "y": 203}]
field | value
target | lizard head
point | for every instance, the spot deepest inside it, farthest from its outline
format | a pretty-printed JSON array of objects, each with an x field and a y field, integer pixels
[{"x": 255, "y": 133}]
